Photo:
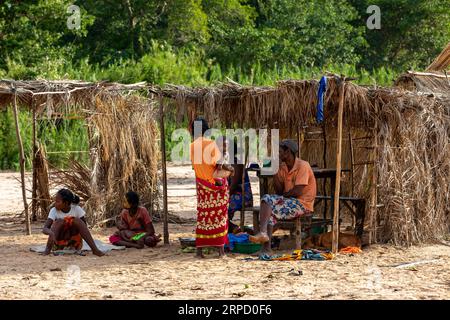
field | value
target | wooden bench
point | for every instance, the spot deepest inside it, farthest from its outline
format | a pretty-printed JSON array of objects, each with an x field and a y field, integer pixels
[
  {"x": 294, "y": 226},
  {"x": 356, "y": 206}
]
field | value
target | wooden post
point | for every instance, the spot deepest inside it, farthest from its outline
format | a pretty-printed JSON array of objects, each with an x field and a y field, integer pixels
[
  {"x": 352, "y": 159},
  {"x": 325, "y": 206},
  {"x": 22, "y": 164},
  {"x": 373, "y": 185},
  {"x": 164, "y": 170},
  {"x": 298, "y": 233},
  {"x": 242, "y": 224},
  {"x": 34, "y": 187},
  {"x": 335, "y": 241}
]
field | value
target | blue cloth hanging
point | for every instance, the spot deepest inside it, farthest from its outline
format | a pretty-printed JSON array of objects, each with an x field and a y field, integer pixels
[{"x": 320, "y": 96}]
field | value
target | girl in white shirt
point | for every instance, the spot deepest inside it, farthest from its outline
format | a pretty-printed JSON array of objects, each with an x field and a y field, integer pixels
[{"x": 66, "y": 225}]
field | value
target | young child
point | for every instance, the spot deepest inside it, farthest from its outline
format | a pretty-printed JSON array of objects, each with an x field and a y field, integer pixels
[
  {"x": 223, "y": 167},
  {"x": 66, "y": 225},
  {"x": 135, "y": 225}
]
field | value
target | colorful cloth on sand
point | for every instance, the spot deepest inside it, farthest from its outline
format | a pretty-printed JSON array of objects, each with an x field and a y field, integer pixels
[
  {"x": 350, "y": 250},
  {"x": 73, "y": 242},
  {"x": 284, "y": 208},
  {"x": 212, "y": 214},
  {"x": 299, "y": 255}
]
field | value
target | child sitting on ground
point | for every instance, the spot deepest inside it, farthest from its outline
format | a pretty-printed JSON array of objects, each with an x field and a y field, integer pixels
[
  {"x": 66, "y": 225},
  {"x": 135, "y": 225}
]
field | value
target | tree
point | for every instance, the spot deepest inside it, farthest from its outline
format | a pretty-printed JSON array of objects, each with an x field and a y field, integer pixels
[{"x": 412, "y": 33}]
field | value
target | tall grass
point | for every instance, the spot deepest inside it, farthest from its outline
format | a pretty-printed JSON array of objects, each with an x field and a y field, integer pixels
[{"x": 59, "y": 136}]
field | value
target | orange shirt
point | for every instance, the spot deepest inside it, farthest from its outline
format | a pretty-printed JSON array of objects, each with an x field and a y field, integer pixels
[
  {"x": 204, "y": 156},
  {"x": 301, "y": 174}
]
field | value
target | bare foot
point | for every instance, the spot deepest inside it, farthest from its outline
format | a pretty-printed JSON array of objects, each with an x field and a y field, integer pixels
[
  {"x": 46, "y": 252},
  {"x": 259, "y": 238},
  {"x": 199, "y": 253},
  {"x": 98, "y": 253}
]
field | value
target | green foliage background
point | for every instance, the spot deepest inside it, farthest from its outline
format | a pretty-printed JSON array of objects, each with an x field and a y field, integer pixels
[{"x": 203, "y": 42}]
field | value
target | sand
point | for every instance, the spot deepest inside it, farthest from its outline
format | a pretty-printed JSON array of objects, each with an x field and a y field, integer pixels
[{"x": 165, "y": 272}]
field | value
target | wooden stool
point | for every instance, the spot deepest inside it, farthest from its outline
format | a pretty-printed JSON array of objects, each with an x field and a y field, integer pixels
[{"x": 294, "y": 226}]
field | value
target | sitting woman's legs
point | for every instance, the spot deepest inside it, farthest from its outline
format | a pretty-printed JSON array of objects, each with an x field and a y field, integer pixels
[
  {"x": 57, "y": 228},
  {"x": 80, "y": 227}
]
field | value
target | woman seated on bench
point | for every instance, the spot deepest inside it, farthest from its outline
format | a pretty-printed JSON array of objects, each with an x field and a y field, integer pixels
[{"x": 295, "y": 186}]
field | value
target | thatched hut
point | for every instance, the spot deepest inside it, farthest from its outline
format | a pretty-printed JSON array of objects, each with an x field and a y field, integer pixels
[
  {"x": 122, "y": 142},
  {"x": 396, "y": 144}
]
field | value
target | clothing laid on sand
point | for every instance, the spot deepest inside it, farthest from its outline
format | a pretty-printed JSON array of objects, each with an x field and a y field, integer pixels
[{"x": 212, "y": 214}]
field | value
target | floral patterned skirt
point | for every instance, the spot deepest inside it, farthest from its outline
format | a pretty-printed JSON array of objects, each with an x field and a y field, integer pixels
[
  {"x": 212, "y": 214},
  {"x": 284, "y": 208}
]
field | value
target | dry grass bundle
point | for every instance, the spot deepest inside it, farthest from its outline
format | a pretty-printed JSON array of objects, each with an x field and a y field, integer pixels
[
  {"x": 42, "y": 187},
  {"x": 414, "y": 170},
  {"x": 125, "y": 136},
  {"x": 77, "y": 178}
]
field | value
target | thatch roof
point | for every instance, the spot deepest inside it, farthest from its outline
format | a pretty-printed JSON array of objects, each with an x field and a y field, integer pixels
[
  {"x": 289, "y": 104},
  {"x": 442, "y": 62},
  {"x": 430, "y": 83},
  {"x": 62, "y": 95}
]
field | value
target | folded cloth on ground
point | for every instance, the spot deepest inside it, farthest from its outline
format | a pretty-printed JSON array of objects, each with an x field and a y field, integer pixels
[
  {"x": 105, "y": 247},
  {"x": 350, "y": 250}
]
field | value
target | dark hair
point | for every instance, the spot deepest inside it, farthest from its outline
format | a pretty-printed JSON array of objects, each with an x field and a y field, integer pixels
[
  {"x": 68, "y": 196},
  {"x": 133, "y": 200},
  {"x": 204, "y": 124}
]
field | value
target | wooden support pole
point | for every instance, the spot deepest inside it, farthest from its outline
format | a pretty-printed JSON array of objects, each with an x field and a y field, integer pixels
[
  {"x": 325, "y": 206},
  {"x": 22, "y": 165},
  {"x": 164, "y": 169},
  {"x": 34, "y": 148},
  {"x": 242, "y": 224},
  {"x": 352, "y": 159},
  {"x": 373, "y": 184},
  {"x": 335, "y": 241}
]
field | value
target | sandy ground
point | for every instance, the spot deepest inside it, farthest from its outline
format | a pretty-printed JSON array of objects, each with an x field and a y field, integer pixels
[{"x": 167, "y": 273}]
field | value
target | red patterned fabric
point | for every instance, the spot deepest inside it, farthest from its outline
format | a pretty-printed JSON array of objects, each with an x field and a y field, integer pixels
[{"x": 212, "y": 214}]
